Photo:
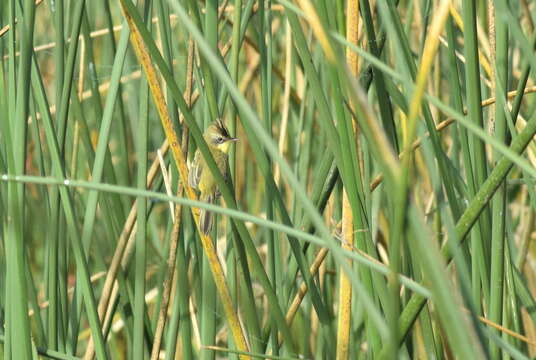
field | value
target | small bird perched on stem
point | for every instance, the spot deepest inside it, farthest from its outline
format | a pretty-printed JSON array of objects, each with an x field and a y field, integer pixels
[{"x": 200, "y": 177}]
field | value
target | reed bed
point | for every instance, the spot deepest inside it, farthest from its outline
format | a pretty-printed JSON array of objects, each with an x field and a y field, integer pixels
[{"x": 380, "y": 202}]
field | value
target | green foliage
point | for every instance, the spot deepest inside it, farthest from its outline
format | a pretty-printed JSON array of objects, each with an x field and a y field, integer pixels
[{"x": 99, "y": 252}]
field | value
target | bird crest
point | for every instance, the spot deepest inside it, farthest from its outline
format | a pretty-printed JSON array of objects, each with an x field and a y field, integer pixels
[{"x": 221, "y": 127}]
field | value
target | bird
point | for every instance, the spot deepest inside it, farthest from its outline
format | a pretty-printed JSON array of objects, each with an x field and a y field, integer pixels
[{"x": 200, "y": 177}]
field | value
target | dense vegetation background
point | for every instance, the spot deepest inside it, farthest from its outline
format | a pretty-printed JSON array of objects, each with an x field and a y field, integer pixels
[{"x": 381, "y": 200}]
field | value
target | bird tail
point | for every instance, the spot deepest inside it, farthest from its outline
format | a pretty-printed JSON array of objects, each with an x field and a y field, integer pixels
[{"x": 206, "y": 217}]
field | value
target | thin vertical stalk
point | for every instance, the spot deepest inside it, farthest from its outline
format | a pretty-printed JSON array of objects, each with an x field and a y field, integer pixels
[
  {"x": 345, "y": 288},
  {"x": 53, "y": 248},
  {"x": 265, "y": 53},
  {"x": 234, "y": 284},
  {"x": 208, "y": 299},
  {"x": 123, "y": 171},
  {"x": 139, "y": 346},
  {"x": 18, "y": 326},
  {"x": 499, "y": 201},
  {"x": 477, "y": 264},
  {"x": 63, "y": 107},
  {"x": 211, "y": 26},
  {"x": 474, "y": 113}
]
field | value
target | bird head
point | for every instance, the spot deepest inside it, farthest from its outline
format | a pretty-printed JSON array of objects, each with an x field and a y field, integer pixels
[{"x": 218, "y": 137}]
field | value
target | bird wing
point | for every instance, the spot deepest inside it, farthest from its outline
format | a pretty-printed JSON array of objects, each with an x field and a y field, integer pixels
[
  {"x": 196, "y": 169},
  {"x": 225, "y": 171}
]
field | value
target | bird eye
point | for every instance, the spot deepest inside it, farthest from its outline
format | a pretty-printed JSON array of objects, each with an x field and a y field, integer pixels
[{"x": 219, "y": 140}]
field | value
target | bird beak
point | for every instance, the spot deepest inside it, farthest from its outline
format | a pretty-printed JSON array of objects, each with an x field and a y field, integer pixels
[{"x": 233, "y": 139}]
